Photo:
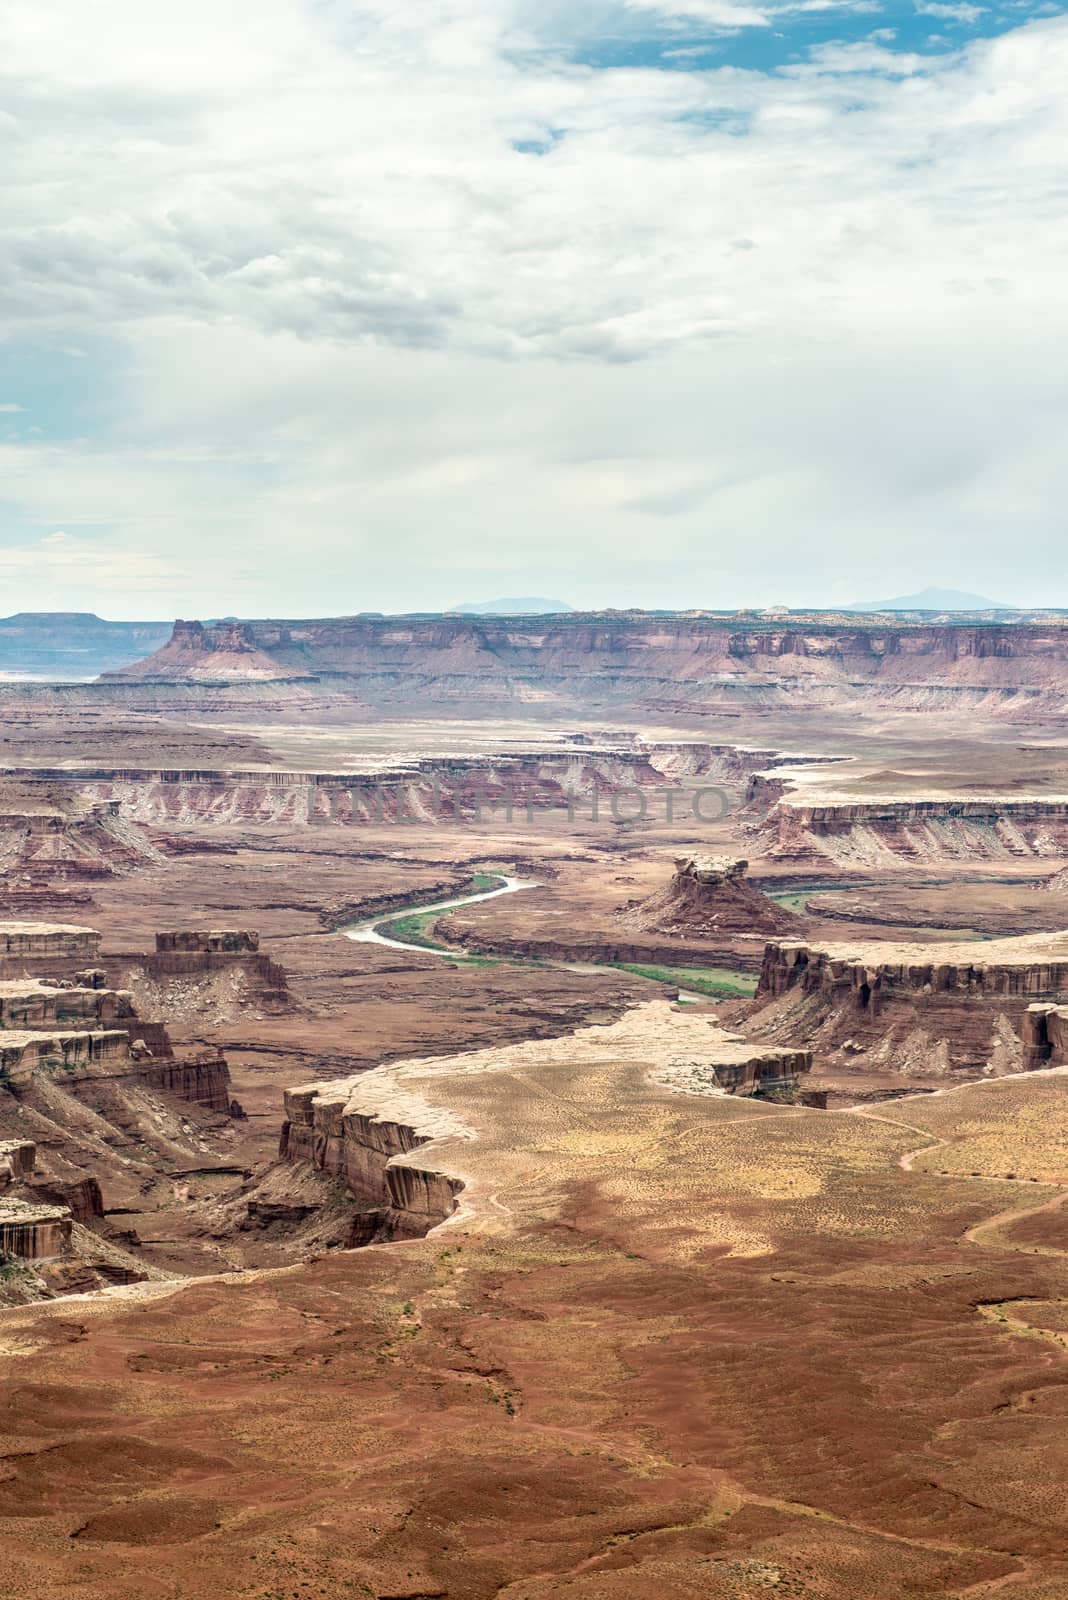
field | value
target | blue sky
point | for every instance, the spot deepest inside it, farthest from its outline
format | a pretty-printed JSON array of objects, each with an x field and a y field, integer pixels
[
  {"x": 312, "y": 306},
  {"x": 787, "y": 36}
]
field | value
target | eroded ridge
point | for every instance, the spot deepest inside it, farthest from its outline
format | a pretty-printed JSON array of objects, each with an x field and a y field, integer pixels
[
  {"x": 369, "y": 1130},
  {"x": 922, "y": 1012}
]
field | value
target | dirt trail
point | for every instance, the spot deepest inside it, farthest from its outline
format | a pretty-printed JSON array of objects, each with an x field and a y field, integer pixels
[{"x": 1000, "y": 1219}]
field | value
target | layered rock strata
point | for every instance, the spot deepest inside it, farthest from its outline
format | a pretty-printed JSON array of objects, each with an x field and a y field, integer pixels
[
  {"x": 29, "y": 1231},
  {"x": 17, "y": 1160},
  {"x": 79, "y": 1057},
  {"x": 1045, "y": 1036},
  {"x": 874, "y": 831},
  {"x": 709, "y": 896},
  {"x": 614, "y": 660},
  {"x": 396, "y": 1198},
  {"x": 47, "y": 941},
  {"x": 918, "y": 1009},
  {"x": 85, "y": 1031},
  {"x": 30, "y": 1003},
  {"x": 69, "y": 1055},
  {"x": 228, "y": 941},
  {"x": 56, "y": 840},
  {"x": 33, "y": 1232}
]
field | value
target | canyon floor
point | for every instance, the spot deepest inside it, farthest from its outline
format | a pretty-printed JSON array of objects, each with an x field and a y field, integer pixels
[{"x": 671, "y": 1341}]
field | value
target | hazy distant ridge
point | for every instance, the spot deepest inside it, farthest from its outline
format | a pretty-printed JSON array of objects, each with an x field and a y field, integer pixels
[
  {"x": 526, "y": 606},
  {"x": 931, "y": 600}
]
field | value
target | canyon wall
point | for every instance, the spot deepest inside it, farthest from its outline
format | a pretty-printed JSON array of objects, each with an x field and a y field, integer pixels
[
  {"x": 627, "y": 659},
  {"x": 29, "y": 1003},
  {"x": 572, "y": 772},
  {"x": 395, "y": 1199},
  {"x": 77, "y": 1057},
  {"x": 220, "y": 941},
  {"x": 42, "y": 941},
  {"x": 71, "y": 1056},
  {"x": 1020, "y": 969},
  {"x": 33, "y": 1232},
  {"x": 919, "y": 1010},
  {"x": 202, "y": 1079},
  {"x": 17, "y": 1160},
  {"x": 887, "y": 831},
  {"x": 57, "y": 841},
  {"x": 1045, "y": 1035}
]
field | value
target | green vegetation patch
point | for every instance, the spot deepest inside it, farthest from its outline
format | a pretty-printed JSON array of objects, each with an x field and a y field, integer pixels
[{"x": 721, "y": 983}]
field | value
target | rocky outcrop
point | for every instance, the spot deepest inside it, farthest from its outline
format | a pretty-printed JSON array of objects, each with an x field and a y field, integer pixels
[
  {"x": 1045, "y": 1036},
  {"x": 81, "y": 1056},
  {"x": 32, "y": 1004},
  {"x": 86, "y": 1032},
  {"x": 709, "y": 896},
  {"x": 48, "y": 941},
  {"x": 56, "y": 840},
  {"x": 71, "y": 1056},
  {"x": 732, "y": 1065},
  {"x": 872, "y": 974},
  {"x": 922, "y": 1010},
  {"x": 33, "y": 1232},
  {"x": 395, "y": 1199},
  {"x": 216, "y": 942},
  {"x": 82, "y": 1197},
  {"x": 718, "y": 661},
  {"x": 202, "y": 1080},
  {"x": 17, "y": 1160},
  {"x": 886, "y": 831},
  {"x": 552, "y": 774}
]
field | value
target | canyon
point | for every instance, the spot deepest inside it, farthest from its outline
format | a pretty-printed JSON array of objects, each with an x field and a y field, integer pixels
[{"x": 688, "y": 1219}]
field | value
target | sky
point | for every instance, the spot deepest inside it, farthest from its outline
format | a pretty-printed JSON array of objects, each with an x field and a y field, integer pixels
[{"x": 310, "y": 307}]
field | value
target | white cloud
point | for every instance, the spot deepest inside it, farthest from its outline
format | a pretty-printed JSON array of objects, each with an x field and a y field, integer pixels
[
  {"x": 360, "y": 321},
  {"x": 9, "y": 406},
  {"x": 962, "y": 12}
]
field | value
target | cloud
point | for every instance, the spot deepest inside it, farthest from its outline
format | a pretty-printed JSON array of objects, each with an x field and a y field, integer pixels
[
  {"x": 362, "y": 328},
  {"x": 9, "y": 406},
  {"x": 962, "y": 12},
  {"x": 72, "y": 569}
]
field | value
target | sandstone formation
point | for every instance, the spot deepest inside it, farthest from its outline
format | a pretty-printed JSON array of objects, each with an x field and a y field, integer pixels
[
  {"x": 28, "y": 1231},
  {"x": 551, "y": 772},
  {"x": 710, "y": 896},
  {"x": 90, "y": 1079},
  {"x": 44, "y": 941},
  {"x": 366, "y": 1130},
  {"x": 871, "y": 832},
  {"x": 737, "y": 1066},
  {"x": 228, "y": 942},
  {"x": 35, "y": 1004},
  {"x": 611, "y": 660},
  {"x": 33, "y": 1232},
  {"x": 57, "y": 841},
  {"x": 69, "y": 1055},
  {"x": 1045, "y": 1035},
  {"x": 923, "y": 1011},
  {"x": 396, "y": 1199},
  {"x": 17, "y": 1160}
]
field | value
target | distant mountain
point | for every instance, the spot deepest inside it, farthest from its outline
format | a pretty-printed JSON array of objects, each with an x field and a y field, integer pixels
[
  {"x": 931, "y": 600},
  {"x": 73, "y": 644},
  {"x": 528, "y": 606}
]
